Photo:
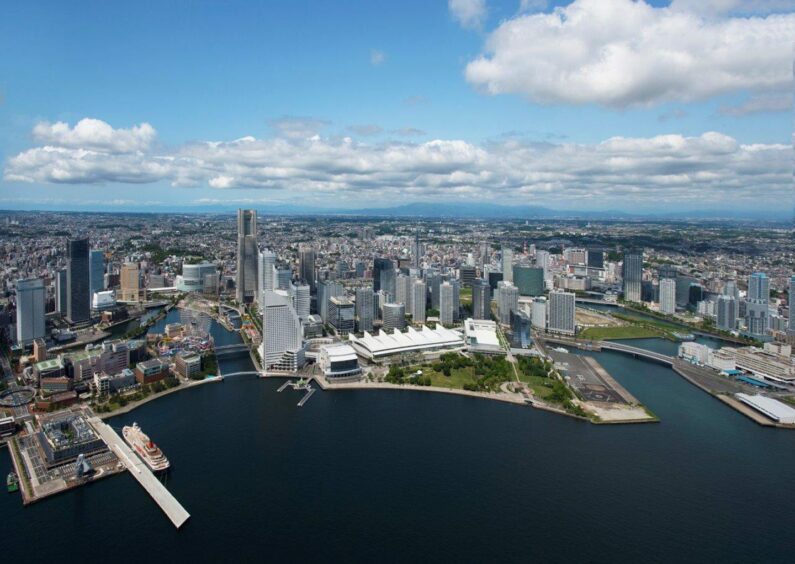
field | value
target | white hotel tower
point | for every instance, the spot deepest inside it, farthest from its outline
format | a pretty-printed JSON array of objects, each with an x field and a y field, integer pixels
[{"x": 282, "y": 348}]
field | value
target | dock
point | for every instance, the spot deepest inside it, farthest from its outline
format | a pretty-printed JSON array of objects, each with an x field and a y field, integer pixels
[
  {"x": 299, "y": 385},
  {"x": 141, "y": 472}
]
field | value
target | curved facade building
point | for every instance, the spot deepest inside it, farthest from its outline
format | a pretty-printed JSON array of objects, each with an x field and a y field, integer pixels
[{"x": 194, "y": 276}]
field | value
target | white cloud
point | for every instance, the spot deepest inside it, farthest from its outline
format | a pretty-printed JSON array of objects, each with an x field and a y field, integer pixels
[
  {"x": 468, "y": 13},
  {"x": 95, "y": 134},
  {"x": 365, "y": 129},
  {"x": 297, "y": 127},
  {"x": 377, "y": 57},
  {"x": 620, "y": 53},
  {"x": 718, "y": 7},
  {"x": 666, "y": 170},
  {"x": 775, "y": 102}
]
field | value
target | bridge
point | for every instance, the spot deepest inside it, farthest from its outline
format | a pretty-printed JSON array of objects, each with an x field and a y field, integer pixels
[
  {"x": 595, "y": 301},
  {"x": 242, "y": 373},
  {"x": 227, "y": 350},
  {"x": 612, "y": 346}
]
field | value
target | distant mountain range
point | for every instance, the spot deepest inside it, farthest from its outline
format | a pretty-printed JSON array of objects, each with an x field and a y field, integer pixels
[{"x": 451, "y": 210}]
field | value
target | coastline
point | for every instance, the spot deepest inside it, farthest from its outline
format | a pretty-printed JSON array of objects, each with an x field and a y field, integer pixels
[{"x": 135, "y": 404}]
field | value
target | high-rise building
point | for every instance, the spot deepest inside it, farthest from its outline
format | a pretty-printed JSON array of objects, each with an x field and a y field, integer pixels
[
  {"x": 403, "y": 285},
  {"x": 633, "y": 274},
  {"x": 759, "y": 287},
  {"x": 306, "y": 265},
  {"x": 194, "y": 277},
  {"x": 507, "y": 301},
  {"x": 757, "y": 314},
  {"x": 481, "y": 300},
  {"x": 78, "y": 288},
  {"x": 266, "y": 270},
  {"x": 456, "y": 284},
  {"x": 731, "y": 289},
  {"x": 561, "y": 311},
  {"x": 538, "y": 314},
  {"x": 467, "y": 274},
  {"x": 791, "y": 326},
  {"x": 31, "y": 294},
  {"x": 596, "y": 258},
  {"x": 326, "y": 290},
  {"x": 416, "y": 250},
  {"x": 418, "y": 295},
  {"x": 507, "y": 264},
  {"x": 282, "y": 278},
  {"x": 380, "y": 265},
  {"x": 529, "y": 280},
  {"x": 247, "y": 251},
  {"x": 282, "y": 334},
  {"x": 446, "y": 303},
  {"x": 300, "y": 295},
  {"x": 365, "y": 309},
  {"x": 668, "y": 296},
  {"x": 130, "y": 282},
  {"x": 60, "y": 292},
  {"x": 726, "y": 313},
  {"x": 96, "y": 263},
  {"x": 394, "y": 317},
  {"x": 542, "y": 261},
  {"x": 342, "y": 315},
  {"x": 433, "y": 281}
]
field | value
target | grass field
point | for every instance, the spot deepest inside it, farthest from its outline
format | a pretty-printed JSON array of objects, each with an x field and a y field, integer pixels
[
  {"x": 458, "y": 377},
  {"x": 537, "y": 384}
]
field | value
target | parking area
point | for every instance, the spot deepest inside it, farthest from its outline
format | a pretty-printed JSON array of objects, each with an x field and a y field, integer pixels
[{"x": 583, "y": 375}]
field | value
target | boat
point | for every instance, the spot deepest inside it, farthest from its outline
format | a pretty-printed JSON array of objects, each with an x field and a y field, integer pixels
[
  {"x": 146, "y": 450},
  {"x": 12, "y": 482}
]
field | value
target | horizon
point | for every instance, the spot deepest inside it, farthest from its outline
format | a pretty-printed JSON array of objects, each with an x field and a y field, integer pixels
[{"x": 564, "y": 106}]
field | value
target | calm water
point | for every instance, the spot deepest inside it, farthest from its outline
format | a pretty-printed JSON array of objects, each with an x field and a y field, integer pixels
[{"x": 413, "y": 476}]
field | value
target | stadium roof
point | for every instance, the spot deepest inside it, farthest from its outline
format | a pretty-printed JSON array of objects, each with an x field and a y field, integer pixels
[{"x": 385, "y": 344}]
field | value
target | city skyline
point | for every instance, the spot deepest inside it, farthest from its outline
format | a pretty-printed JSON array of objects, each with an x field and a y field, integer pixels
[{"x": 241, "y": 123}]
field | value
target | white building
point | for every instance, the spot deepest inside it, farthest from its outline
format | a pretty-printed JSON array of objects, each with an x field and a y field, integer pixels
[
  {"x": 394, "y": 317},
  {"x": 446, "y": 303},
  {"x": 507, "y": 301},
  {"x": 774, "y": 409},
  {"x": 425, "y": 340},
  {"x": 507, "y": 265},
  {"x": 668, "y": 296},
  {"x": 103, "y": 299},
  {"x": 266, "y": 270},
  {"x": 538, "y": 314},
  {"x": 418, "y": 296},
  {"x": 339, "y": 361},
  {"x": 560, "y": 312},
  {"x": 31, "y": 294},
  {"x": 282, "y": 336},
  {"x": 299, "y": 293},
  {"x": 193, "y": 276},
  {"x": 480, "y": 335}
]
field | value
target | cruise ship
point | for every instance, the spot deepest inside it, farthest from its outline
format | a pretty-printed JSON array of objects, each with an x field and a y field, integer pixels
[{"x": 145, "y": 448}]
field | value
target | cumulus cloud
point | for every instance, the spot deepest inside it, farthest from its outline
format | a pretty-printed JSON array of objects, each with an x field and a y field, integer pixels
[
  {"x": 620, "y": 53},
  {"x": 95, "y": 134},
  {"x": 468, "y": 13},
  {"x": 619, "y": 172}
]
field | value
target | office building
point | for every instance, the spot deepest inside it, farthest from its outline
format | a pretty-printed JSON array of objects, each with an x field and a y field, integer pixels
[
  {"x": 416, "y": 250},
  {"x": 726, "y": 313},
  {"x": 266, "y": 270},
  {"x": 668, "y": 296},
  {"x": 394, "y": 317},
  {"x": 759, "y": 287},
  {"x": 194, "y": 277},
  {"x": 446, "y": 303},
  {"x": 283, "y": 278},
  {"x": 529, "y": 280},
  {"x": 507, "y": 301},
  {"x": 365, "y": 309},
  {"x": 300, "y": 295},
  {"x": 282, "y": 337},
  {"x": 130, "y": 281},
  {"x": 31, "y": 295},
  {"x": 757, "y": 307},
  {"x": 403, "y": 285},
  {"x": 96, "y": 266},
  {"x": 560, "y": 314},
  {"x": 381, "y": 265},
  {"x": 342, "y": 315},
  {"x": 481, "y": 300},
  {"x": 538, "y": 314},
  {"x": 247, "y": 256},
  {"x": 78, "y": 289},
  {"x": 507, "y": 264},
  {"x": 632, "y": 274},
  {"x": 60, "y": 292},
  {"x": 467, "y": 274},
  {"x": 306, "y": 265},
  {"x": 595, "y": 258},
  {"x": 326, "y": 290},
  {"x": 791, "y": 326},
  {"x": 494, "y": 279},
  {"x": 418, "y": 296}
]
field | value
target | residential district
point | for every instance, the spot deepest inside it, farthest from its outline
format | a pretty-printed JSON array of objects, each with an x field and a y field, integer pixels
[{"x": 508, "y": 310}]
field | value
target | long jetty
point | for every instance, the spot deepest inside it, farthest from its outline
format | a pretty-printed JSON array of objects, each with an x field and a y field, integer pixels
[{"x": 141, "y": 472}]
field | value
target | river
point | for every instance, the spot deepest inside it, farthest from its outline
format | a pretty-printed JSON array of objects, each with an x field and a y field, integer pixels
[{"x": 374, "y": 475}]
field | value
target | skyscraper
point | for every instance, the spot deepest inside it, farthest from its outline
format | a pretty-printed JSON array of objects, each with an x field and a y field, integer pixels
[
  {"x": 560, "y": 314},
  {"x": 507, "y": 264},
  {"x": 538, "y": 314},
  {"x": 266, "y": 270},
  {"x": 380, "y": 265},
  {"x": 595, "y": 258},
  {"x": 130, "y": 282},
  {"x": 446, "y": 303},
  {"x": 96, "y": 262},
  {"x": 416, "y": 250},
  {"x": 757, "y": 315},
  {"x": 300, "y": 295},
  {"x": 30, "y": 310},
  {"x": 507, "y": 301},
  {"x": 529, "y": 280},
  {"x": 326, "y": 290},
  {"x": 247, "y": 251},
  {"x": 418, "y": 295},
  {"x": 481, "y": 300},
  {"x": 759, "y": 287},
  {"x": 306, "y": 265},
  {"x": 791, "y": 326},
  {"x": 282, "y": 334},
  {"x": 668, "y": 296},
  {"x": 78, "y": 289},
  {"x": 633, "y": 274},
  {"x": 468, "y": 274},
  {"x": 365, "y": 309},
  {"x": 394, "y": 317},
  {"x": 60, "y": 292},
  {"x": 342, "y": 315},
  {"x": 726, "y": 313}
]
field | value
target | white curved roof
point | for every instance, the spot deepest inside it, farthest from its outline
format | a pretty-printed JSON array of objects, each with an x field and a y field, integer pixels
[{"x": 385, "y": 344}]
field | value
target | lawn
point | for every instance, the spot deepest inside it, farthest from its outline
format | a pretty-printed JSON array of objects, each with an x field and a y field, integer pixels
[
  {"x": 538, "y": 384},
  {"x": 624, "y": 332},
  {"x": 458, "y": 377}
]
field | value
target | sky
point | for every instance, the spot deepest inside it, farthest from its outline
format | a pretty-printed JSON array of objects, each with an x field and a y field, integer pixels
[{"x": 573, "y": 105}]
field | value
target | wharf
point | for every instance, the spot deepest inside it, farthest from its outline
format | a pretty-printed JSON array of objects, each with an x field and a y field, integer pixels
[{"x": 141, "y": 472}]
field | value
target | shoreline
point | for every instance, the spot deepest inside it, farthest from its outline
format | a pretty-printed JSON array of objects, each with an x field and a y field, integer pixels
[{"x": 133, "y": 405}]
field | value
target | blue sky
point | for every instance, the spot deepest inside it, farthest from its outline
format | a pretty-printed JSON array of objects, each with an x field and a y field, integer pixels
[{"x": 395, "y": 78}]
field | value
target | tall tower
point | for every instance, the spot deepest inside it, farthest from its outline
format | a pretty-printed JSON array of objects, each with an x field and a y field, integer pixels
[
  {"x": 96, "y": 261},
  {"x": 791, "y": 327},
  {"x": 246, "y": 282},
  {"x": 415, "y": 254},
  {"x": 507, "y": 264},
  {"x": 78, "y": 290},
  {"x": 633, "y": 273},
  {"x": 306, "y": 265},
  {"x": 30, "y": 310}
]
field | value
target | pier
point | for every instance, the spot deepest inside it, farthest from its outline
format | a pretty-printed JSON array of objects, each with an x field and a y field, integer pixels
[
  {"x": 299, "y": 385},
  {"x": 141, "y": 472}
]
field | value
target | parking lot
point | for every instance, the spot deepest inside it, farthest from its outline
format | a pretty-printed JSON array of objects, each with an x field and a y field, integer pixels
[{"x": 582, "y": 374}]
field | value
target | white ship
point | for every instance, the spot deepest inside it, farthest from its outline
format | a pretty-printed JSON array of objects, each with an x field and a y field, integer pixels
[{"x": 145, "y": 448}]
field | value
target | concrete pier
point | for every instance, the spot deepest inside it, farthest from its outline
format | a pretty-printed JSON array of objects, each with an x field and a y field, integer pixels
[{"x": 141, "y": 472}]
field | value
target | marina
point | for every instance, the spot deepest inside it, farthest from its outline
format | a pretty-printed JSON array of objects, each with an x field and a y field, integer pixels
[{"x": 302, "y": 384}]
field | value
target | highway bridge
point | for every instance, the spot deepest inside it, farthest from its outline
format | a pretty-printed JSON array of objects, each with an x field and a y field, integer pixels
[{"x": 636, "y": 352}]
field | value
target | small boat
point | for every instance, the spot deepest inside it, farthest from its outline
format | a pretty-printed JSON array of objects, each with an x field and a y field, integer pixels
[{"x": 12, "y": 482}]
